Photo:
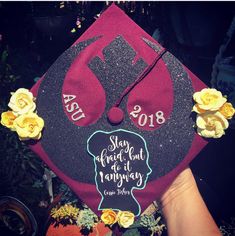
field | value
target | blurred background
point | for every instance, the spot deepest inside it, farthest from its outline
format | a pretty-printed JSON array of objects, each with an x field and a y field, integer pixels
[{"x": 33, "y": 34}]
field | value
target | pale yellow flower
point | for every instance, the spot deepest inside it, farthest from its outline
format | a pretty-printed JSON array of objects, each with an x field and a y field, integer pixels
[
  {"x": 208, "y": 100},
  {"x": 22, "y": 102},
  {"x": 109, "y": 217},
  {"x": 211, "y": 124},
  {"x": 7, "y": 119},
  {"x": 125, "y": 218},
  {"x": 28, "y": 126},
  {"x": 227, "y": 110}
]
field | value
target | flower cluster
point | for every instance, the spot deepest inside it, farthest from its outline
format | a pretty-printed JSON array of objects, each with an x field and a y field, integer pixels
[
  {"x": 65, "y": 212},
  {"x": 88, "y": 221},
  {"x": 69, "y": 214},
  {"x": 22, "y": 117},
  {"x": 124, "y": 218},
  {"x": 152, "y": 224},
  {"x": 213, "y": 112}
]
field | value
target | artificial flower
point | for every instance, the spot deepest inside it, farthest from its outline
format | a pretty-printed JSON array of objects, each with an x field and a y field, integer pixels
[
  {"x": 109, "y": 217},
  {"x": 125, "y": 218},
  {"x": 211, "y": 124},
  {"x": 7, "y": 119},
  {"x": 208, "y": 100},
  {"x": 28, "y": 126},
  {"x": 22, "y": 102},
  {"x": 227, "y": 110},
  {"x": 65, "y": 212}
]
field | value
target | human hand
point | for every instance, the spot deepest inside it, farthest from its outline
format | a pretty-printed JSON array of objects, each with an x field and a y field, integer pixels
[
  {"x": 184, "y": 209},
  {"x": 182, "y": 184}
]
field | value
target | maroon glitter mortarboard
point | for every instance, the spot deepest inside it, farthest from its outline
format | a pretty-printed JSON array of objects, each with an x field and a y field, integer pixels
[{"x": 117, "y": 111}]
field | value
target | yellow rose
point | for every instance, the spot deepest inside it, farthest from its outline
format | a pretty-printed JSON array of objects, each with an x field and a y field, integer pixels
[
  {"x": 7, "y": 119},
  {"x": 125, "y": 218},
  {"x": 211, "y": 124},
  {"x": 22, "y": 102},
  {"x": 208, "y": 100},
  {"x": 28, "y": 126},
  {"x": 109, "y": 217},
  {"x": 227, "y": 110}
]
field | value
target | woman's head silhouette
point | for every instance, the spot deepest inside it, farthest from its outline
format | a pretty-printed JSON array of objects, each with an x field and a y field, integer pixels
[{"x": 121, "y": 165}]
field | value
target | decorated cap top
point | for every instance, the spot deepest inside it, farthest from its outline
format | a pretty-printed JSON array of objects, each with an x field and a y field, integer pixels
[{"x": 117, "y": 116}]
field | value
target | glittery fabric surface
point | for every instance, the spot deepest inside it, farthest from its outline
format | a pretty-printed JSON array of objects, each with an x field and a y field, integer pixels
[
  {"x": 157, "y": 48},
  {"x": 117, "y": 71},
  {"x": 65, "y": 143}
]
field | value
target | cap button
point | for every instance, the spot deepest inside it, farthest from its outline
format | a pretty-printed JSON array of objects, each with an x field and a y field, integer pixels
[{"x": 115, "y": 115}]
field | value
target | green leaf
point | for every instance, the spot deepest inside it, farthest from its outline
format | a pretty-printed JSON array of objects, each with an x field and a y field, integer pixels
[
  {"x": 132, "y": 232},
  {"x": 32, "y": 165},
  {"x": 4, "y": 56},
  {"x": 136, "y": 224},
  {"x": 23, "y": 165}
]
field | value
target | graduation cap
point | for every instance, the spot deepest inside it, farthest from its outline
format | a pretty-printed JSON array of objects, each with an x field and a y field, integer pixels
[{"x": 117, "y": 112}]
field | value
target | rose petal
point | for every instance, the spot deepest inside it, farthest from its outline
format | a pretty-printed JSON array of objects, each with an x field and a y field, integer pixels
[
  {"x": 208, "y": 133},
  {"x": 200, "y": 122}
]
